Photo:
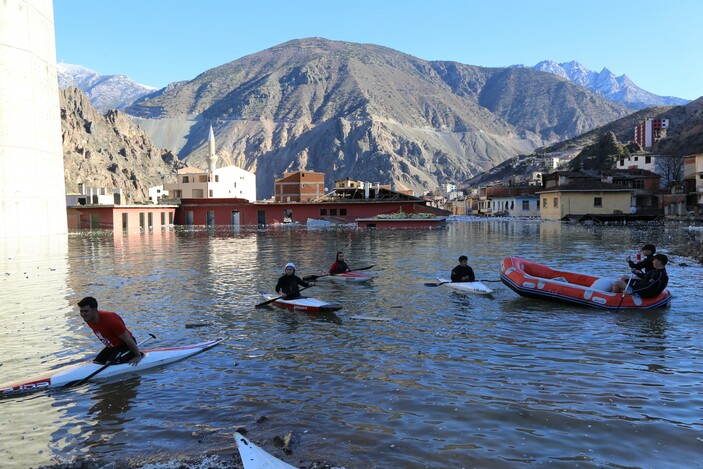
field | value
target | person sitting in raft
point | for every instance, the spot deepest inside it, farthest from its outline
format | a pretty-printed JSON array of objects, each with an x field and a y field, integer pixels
[
  {"x": 644, "y": 265},
  {"x": 339, "y": 266},
  {"x": 647, "y": 285},
  {"x": 463, "y": 272},
  {"x": 288, "y": 283}
]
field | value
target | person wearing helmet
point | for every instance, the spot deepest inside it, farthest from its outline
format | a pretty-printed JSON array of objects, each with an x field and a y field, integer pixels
[{"x": 288, "y": 282}]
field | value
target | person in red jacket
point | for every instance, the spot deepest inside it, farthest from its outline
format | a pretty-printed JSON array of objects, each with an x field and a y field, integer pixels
[
  {"x": 339, "y": 266},
  {"x": 111, "y": 330}
]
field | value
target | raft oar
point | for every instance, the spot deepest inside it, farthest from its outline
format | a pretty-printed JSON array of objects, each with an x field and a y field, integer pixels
[
  {"x": 312, "y": 278},
  {"x": 116, "y": 360},
  {"x": 623, "y": 292},
  {"x": 259, "y": 305}
]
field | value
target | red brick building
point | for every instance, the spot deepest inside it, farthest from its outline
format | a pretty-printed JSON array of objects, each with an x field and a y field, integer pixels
[{"x": 301, "y": 186}]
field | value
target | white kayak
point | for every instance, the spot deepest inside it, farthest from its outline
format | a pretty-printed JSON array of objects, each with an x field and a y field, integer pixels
[
  {"x": 303, "y": 303},
  {"x": 477, "y": 288},
  {"x": 73, "y": 373},
  {"x": 347, "y": 277},
  {"x": 254, "y": 457}
]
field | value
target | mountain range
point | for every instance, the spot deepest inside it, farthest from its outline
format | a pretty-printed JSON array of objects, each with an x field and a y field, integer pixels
[
  {"x": 365, "y": 112},
  {"x": 620, "y": 89}
]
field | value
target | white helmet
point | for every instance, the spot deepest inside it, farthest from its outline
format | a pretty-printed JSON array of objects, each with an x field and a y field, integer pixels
[{"x": 290, "y": 264}]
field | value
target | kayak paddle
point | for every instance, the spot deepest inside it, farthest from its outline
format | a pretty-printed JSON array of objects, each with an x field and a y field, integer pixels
[
  {"x": 436, "y": 284},
  {"x": 264, "y": 303},
  {"x": 117, "y": 359},
  {"x": 442, "y": 283},
  {"x": 312, "y": 278}
]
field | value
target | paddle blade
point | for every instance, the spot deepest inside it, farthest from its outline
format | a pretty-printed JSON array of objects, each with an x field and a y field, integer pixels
[
  {"x": 312, "y": 278},
  {"x": 432, "y": 284}
]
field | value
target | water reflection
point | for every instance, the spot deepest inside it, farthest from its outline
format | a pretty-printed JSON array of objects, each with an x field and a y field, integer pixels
[{"x": 447, "y": 381}]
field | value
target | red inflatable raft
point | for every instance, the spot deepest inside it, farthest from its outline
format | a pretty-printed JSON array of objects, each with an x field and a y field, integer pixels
[{"x": 533, "y": 280}]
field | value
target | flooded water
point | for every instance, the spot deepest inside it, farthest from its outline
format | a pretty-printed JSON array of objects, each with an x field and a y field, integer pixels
[{"x": 445, "y": 381}]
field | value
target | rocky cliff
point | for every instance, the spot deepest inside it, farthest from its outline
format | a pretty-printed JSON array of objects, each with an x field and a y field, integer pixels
[{"x": 109, "y": 150}]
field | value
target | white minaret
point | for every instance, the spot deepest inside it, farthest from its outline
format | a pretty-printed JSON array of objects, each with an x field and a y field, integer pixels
[
  {"x": 32, "y": 190},
  {"x": 212, "y": 156}
]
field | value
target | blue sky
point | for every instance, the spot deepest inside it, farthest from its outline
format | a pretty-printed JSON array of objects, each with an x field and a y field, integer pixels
[{"x": 155, "y": 42}]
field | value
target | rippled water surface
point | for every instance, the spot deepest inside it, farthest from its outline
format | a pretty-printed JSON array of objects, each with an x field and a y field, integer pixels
[{"x": 445, "y": 381}]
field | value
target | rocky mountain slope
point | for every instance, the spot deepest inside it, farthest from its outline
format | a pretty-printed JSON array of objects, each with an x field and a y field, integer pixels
[
  {"x": 105, "y": 91},
  {"x": 366, "y": 112},
  {"x": 109, "y": 151},
  {"x": 684, "y": 137},
  {"x": 620, "y": 89}
]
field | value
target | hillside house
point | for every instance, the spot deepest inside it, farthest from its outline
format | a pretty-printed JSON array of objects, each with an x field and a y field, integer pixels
[
  {"x": 512, "y": 201},
  {"x": 693, "y": 180},
  {"x": 573, "y": 195},
  {"x": 650, "y": 131},
  {"x": 644, "y": 188}
]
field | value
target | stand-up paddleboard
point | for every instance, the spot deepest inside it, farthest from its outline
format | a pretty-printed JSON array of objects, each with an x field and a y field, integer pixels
[
  {"x": 71, "y": 374},
  {"x": 254, "y": 457}
]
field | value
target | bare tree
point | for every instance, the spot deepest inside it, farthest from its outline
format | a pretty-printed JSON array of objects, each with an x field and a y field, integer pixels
[{"x": 671, "y": 169}]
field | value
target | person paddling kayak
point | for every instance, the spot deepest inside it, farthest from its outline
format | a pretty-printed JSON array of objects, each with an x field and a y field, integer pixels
[
  {"x": 463, "y": 272},
  {"x": 111, "y": 330},
  {"x": 339, "y": 266},
  {"x": 288, "y": 283}
]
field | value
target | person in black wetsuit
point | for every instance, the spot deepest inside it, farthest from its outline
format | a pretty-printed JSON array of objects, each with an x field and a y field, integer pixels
[
  {"x": 288, "y": 283},
  {"x": 463, "y": 272},
  {"x": 643, "y": 265},
  {"x": 650, "y": 284}
]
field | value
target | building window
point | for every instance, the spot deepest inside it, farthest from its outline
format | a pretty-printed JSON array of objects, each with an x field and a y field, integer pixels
[
  {"x": 638, "y": 184},
  {"x": 197, "y": 193},
  {"x": 210, "y": 192},
  {"x": 526, "y": 205},
  {"x": 647, "y": 159},
  {"x": 141, "y": 221},
  {"x": 622, "y": 162},
  {"x": 185, "y": 180},
  {"x": 342, "y": 211},
  {"x": 170, "y": 218},
  {"x": 163, "y": 218},
  {"x": 124, "y": 221},
  {"x": 636, "y": 158},
  {"x": 202, "y": 178},
  {"x": 333, "y": 212},
  {"x": 556, "y": 202},
  {"x": 178, "y": 193},
  {"x": 544, "y": 202},
  {"x": 150, "y": 217},
  {"x": 598, "y": 201},
  {"x": 210, "y": 218},
  {"x": 323, "y": 211}
]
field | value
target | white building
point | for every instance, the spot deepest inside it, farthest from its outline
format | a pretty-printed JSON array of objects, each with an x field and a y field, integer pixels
[
  {"x": 94, "y": 196},
  {"x": 157, "y": 192},
  {"x": 228, "y": 182},
  {"x": 647, "y": 162}
]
